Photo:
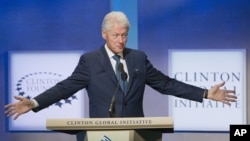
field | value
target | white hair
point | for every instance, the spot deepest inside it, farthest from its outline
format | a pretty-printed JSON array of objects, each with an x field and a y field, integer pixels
[{"x": 115, "y": 17}]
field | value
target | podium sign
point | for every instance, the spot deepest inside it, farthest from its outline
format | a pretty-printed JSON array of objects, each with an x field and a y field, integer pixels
[
  {"x": 111, "y": 129},
  {"x": 123, "y": 135}
]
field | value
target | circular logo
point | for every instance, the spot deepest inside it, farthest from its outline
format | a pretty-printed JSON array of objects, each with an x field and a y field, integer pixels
[{"x": 34, "y": 84}]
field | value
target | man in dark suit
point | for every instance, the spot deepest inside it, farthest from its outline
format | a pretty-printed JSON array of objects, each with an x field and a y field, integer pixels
[{"x": 96, "y": 71}]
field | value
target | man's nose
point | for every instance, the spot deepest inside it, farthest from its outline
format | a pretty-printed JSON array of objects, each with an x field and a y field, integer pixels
[{"x": 121, "y": 39}]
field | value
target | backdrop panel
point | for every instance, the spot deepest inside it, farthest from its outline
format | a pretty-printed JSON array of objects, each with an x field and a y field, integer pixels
[
  {"x": 205, "y": 68},
  {"x": 31, "y": 73}
]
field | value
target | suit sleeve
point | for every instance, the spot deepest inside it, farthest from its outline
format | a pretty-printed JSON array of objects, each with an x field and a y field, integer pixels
[
  {"x": 78, "y": 80},
  {"x": 166, "y": 85}
]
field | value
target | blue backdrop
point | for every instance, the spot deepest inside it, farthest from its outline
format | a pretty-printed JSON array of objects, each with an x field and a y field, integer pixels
[{"x": 162, "y": 25}]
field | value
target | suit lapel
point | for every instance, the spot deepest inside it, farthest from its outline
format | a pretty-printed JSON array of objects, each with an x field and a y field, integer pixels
[
  {"x": 130, "y": 65},
  {"x": 106, "y": 64}
]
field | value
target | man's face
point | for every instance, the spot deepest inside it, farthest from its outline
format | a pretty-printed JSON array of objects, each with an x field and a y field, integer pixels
[{"x": 116, "y": 38}]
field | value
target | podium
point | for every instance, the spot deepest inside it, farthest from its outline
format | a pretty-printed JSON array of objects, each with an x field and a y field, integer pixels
[{"x": 114, "y": 129}]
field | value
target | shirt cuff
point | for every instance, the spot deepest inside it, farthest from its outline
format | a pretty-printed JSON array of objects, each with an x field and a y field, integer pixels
[{"x": 35, "y": 103}]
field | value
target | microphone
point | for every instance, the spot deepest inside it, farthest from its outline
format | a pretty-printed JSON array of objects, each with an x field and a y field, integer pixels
[
  {"x": 124, "y": 76},
  {"x": 112, "y": 110}
]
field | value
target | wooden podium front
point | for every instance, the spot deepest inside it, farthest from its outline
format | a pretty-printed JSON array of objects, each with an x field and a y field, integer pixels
[{"x": 114, "y": 129}]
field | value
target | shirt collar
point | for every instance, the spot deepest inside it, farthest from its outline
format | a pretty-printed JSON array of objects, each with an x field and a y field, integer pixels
[{"x": 110, "y": 53}]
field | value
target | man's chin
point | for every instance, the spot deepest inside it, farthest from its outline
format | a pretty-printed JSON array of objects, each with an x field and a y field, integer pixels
[{"x": 120, "y": 50}]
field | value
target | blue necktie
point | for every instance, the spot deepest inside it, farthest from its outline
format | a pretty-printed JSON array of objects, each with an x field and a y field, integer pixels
[{"x": 119, "y": 71}]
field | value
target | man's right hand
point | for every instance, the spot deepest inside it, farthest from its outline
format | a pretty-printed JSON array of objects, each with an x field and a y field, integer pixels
[{"x": 23, "y": 106}]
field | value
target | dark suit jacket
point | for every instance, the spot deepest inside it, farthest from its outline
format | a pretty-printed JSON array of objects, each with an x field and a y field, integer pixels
[{"x": 95, "y": 73}]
